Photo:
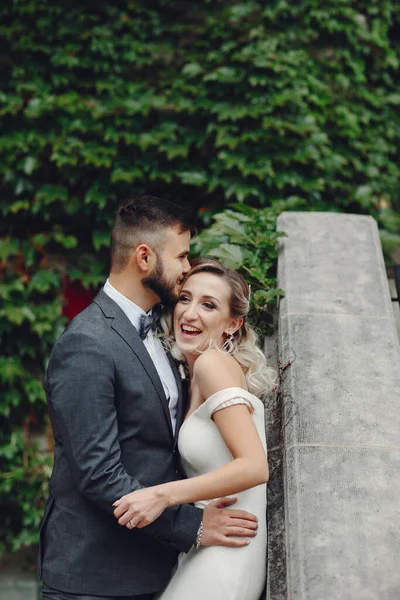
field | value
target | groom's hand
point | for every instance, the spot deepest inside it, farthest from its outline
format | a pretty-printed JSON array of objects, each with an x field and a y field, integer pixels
[{"x": 222, "y": 526}]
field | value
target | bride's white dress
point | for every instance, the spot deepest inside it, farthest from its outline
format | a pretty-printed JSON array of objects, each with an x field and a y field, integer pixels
[{"x": 217, "y": 572}]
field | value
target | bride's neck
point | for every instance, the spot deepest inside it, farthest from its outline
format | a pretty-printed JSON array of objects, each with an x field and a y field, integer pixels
[{"x": 190, "y": 360}]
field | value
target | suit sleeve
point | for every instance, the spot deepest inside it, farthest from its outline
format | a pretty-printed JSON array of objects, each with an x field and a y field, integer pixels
[{"x": 80, "y": 387}]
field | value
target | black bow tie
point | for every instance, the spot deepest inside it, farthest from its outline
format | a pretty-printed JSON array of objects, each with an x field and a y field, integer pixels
[{"x": 148, "y": 322}]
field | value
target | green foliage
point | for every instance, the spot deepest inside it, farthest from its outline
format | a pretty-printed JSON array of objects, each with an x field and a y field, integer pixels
[
  {"x": 248, "y": 101},
  {"x": 283, "y": 104},
  {"x": 30, "y": 321},
  {"x": 23, "y": 490},
  {"x": 245, "y": 239}
]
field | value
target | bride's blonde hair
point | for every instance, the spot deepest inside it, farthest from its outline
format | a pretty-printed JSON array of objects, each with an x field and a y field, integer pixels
[{"x": 243, "y": 344}]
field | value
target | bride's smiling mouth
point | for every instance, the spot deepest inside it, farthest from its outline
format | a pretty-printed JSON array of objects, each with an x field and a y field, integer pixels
[{"x": 190, "y": 330}]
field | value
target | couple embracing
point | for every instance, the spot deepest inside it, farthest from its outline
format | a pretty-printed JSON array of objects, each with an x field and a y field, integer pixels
[{"x": 139, "y": 457}]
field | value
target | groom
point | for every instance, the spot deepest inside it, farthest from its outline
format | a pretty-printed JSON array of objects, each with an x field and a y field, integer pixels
[{"x": 115, "y": 403}]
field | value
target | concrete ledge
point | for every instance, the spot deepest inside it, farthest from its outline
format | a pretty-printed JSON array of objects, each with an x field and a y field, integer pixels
[
  {"x": 19, "y": 588},
  {"x": 18, "y": 575},
  {"x": 341, "y": 410}
]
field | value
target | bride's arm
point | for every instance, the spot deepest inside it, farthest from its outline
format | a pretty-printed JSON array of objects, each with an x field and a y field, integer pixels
[{"x": 214, "y": 372}]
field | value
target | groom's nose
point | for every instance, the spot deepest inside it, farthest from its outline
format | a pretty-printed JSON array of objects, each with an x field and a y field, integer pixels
[{"x": 186, "y": 266}]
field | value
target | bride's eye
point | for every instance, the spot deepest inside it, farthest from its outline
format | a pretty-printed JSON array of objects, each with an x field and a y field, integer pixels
[
  {"x": 183, "y": 299},
  {"x": 209, "y": 305}
]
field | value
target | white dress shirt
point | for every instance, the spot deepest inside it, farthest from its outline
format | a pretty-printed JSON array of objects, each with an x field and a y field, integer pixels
[{"x": 153, "y": 346}]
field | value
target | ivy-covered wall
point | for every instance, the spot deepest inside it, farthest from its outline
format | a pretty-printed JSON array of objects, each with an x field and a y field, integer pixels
[{"x": 276, "y": 104}]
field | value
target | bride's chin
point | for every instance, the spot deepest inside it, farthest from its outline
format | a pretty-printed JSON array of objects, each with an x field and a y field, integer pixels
[
  {"x": 183, "y": 349},
  {"x": 188, "y": 353}
]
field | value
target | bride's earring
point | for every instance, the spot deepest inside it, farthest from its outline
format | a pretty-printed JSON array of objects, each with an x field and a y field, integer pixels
[{"x": 228, "y": 344}]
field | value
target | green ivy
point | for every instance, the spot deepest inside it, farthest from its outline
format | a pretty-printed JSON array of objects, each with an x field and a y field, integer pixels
[
  {"x": 245, "y": 239},
  {"x": 266, "y": 104}
]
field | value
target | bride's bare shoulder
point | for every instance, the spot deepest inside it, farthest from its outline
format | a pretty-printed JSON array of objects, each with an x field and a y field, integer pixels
[
  {"x": 215, "y": 371},
  {"x": 215, "y": 359}
]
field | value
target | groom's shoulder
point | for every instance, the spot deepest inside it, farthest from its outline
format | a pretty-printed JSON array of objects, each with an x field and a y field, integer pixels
[
  {"x": 89, "y": 323},
  {"x": 85, "y": 341}
]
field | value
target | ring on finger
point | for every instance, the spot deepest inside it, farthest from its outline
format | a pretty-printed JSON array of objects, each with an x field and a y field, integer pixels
[{"x": 132, "y": 524}]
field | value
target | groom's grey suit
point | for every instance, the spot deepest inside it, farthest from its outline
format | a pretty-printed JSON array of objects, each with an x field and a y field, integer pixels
[{"x": 113, "y": 434}]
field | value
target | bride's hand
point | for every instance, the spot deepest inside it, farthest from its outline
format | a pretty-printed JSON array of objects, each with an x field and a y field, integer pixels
[{"x": 140, "y": 508}]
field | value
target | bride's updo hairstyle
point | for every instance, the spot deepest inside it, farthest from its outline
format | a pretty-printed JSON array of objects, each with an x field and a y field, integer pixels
[{"x": 243, "y": 344}]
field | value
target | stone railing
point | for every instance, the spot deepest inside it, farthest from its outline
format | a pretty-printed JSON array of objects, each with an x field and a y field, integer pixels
[{"x": 341, "y": 410}]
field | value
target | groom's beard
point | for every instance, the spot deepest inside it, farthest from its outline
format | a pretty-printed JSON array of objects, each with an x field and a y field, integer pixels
[{"x": 159, "y": 284}]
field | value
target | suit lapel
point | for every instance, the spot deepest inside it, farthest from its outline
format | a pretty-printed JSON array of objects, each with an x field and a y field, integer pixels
[{"x": 124, "y": 328}]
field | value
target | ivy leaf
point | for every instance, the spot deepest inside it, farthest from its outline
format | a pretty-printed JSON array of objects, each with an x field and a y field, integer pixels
[
  {"x": 230, "y": 254},
  {"x": 30, "y": 164},
  {"x": 228, "y": 224},
  {"x": 67, "y": 241},
  {"x": 10, "y": 369},
  {"x": 101, "y": 239},
  {"x": 196, "y": 178},
  {"x": 43, "y": 281},
  {"x": 192, "y": 69},
  {"x": 17, "y": 314}
]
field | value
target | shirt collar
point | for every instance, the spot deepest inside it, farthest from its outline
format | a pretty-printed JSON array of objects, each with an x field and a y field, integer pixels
[{"x": 132, "y": 310}]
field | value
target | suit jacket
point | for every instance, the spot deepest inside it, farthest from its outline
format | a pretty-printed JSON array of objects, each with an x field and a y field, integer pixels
[{"x": 113, "y": 434}]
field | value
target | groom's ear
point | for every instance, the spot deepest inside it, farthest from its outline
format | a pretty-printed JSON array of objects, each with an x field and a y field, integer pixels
[{"x": 144, "y": 257}]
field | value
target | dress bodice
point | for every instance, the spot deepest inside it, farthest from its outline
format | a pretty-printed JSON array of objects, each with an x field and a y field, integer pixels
[{"x": 201, "y": 445}]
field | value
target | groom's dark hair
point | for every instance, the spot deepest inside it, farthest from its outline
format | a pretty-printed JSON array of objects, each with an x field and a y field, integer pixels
[{"x": 144, "y": 220}]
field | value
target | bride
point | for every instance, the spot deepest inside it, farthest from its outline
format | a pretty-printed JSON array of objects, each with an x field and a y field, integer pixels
[{"x": 222, "y": 440}]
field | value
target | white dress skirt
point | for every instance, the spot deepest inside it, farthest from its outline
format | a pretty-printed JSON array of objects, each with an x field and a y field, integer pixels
[{"x": 218, "y": 572}]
